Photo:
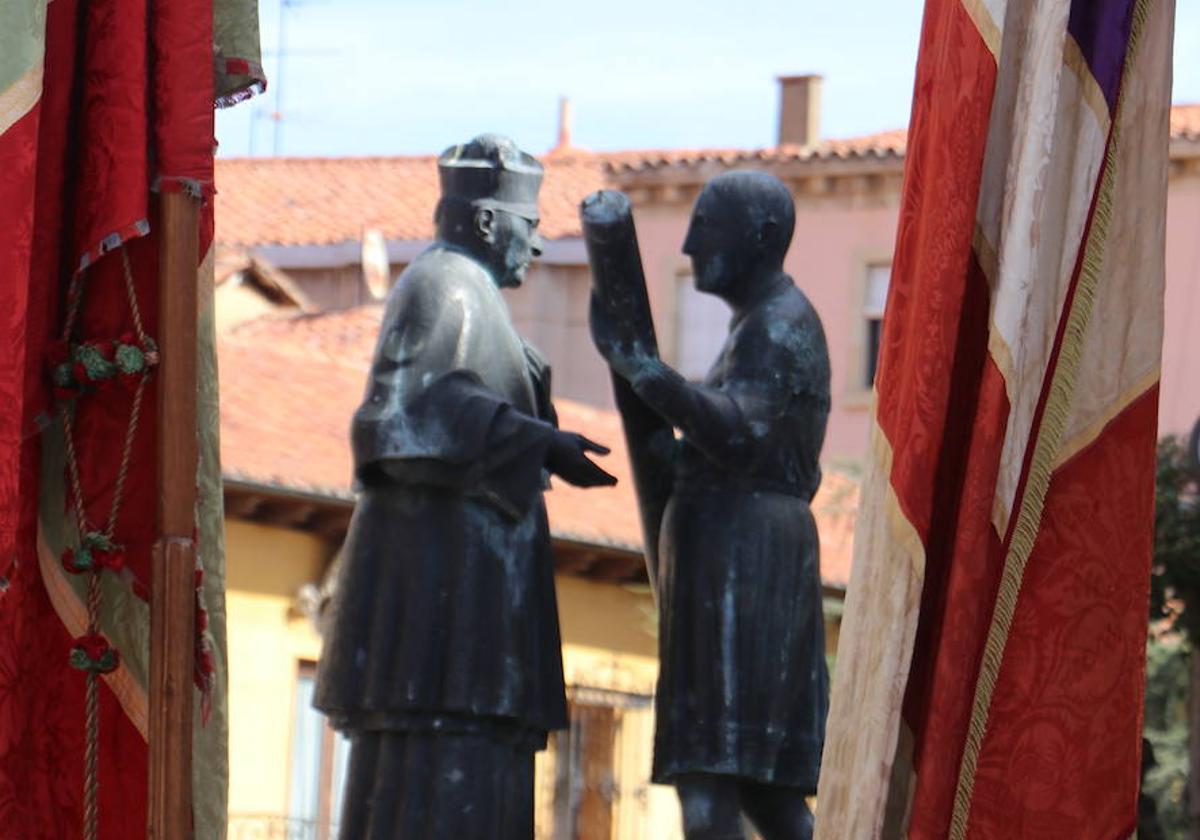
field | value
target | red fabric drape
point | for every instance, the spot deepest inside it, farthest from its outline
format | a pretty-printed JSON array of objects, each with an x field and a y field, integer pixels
[{"x": 126, "y": 103}]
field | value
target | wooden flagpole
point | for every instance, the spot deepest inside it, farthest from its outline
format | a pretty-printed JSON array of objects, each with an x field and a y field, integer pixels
[{"x": 172, "y": 598}]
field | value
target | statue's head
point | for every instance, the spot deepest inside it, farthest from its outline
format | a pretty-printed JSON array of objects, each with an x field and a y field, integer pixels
[
  {"x": 489, "y": 204},
  {"x": 741, "y": 228}
]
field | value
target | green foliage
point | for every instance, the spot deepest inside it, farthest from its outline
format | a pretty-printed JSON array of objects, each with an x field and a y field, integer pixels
[
  {"x": 1166, "y": 730},
  {"x": 1175, "y": 582},
  {"x": 1175, "y": 633}
]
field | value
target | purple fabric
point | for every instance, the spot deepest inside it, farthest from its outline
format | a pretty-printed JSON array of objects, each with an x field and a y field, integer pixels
[{"x": 1101, "y": 28}]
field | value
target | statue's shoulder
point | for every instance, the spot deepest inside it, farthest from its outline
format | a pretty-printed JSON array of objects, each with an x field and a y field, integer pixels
[
  {"x": 793, "y": 304},
  {"x": 798, "y": 311},
  {"x": 788, "y": 331},
  {"x": 783, "y": 313},
  {"x": 437, "y": 275},
  {"x": 442, "y": 265}
]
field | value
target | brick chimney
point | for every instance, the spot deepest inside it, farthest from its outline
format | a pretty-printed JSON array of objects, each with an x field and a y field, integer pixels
[
  {"x": 564, "y": 122},
  {"x": 564, "y": 125},
  {"x": 799, "y": 110}
]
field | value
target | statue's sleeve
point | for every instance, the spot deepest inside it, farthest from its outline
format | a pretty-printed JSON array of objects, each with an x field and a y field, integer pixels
[
  {"x": 730, "y": 423},
  {"x": 427, "y": 418},
  {"x": 539, "y": 373}
]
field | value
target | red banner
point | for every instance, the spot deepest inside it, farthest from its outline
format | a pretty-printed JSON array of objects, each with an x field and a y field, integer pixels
[
  {"x": 989, "y": 672},
  {"x": 101, "y": 104}
]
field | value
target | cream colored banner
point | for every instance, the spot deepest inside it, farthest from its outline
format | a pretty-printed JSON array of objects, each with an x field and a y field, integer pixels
[
  {"x": 1045, "y": 146},
  {"x": 865, "y": 761},
  {"x": 22, "y": 47}
]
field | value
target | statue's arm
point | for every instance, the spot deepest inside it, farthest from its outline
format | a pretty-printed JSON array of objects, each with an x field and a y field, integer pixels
[
  {"x": 568, "y": 456},
  {"x": 777, "y": 363},
  {"x": 457, "y": 434},
  {"x": 428, "y": 421},
  {"x": 540, "y": 374},
  {"x": 730, "y": 424},
  {"x": 710, "y": 419}
]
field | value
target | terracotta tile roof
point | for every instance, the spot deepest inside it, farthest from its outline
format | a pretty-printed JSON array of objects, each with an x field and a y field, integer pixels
[
  {"x": 309, "y": 201},
  {"x": 1185, "y": 122},
  {"x": 290, "y": 385},
  {"x": 881, "y": 144},
  {"x": 323, "y": 201},
  {"x": 887, "y": 144}
]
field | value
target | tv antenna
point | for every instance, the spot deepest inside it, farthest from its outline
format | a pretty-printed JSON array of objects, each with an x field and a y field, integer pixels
[{"x": 281, "y": 54}]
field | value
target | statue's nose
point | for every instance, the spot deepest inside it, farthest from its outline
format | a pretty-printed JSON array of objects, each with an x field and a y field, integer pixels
[
  {"x": 689, "y": 243},
  {"x": 536, "y": 245}
]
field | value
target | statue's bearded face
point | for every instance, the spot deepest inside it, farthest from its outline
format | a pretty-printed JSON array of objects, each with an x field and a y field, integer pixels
[
  {"x": 512, "y": 242},
  {"x": 721, "y": 242}
]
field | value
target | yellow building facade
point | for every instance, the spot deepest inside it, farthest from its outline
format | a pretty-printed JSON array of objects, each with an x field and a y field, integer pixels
[{"x": 592, "y": 783}]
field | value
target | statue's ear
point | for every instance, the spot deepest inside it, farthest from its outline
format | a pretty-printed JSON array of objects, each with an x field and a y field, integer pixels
[
  {"x": 768, "y": 235},
  {"x": 485, "y": 224}
]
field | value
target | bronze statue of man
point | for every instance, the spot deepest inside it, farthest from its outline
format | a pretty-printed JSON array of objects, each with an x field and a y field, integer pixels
[
  {"x": 442, "y": 658},
  {"x": 743, "y": 686}
]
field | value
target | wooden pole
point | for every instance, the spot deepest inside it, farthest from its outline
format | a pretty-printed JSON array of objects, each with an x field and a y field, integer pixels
[{"x": 172, "y": 598}]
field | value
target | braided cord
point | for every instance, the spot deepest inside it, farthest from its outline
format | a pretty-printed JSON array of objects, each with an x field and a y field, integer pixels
[{"x": 91, "y": 789}]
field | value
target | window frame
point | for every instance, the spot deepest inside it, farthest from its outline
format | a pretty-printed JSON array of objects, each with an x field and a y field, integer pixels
[
  {"x": 871, "y": 312},
  {"x": 325, "y": 820},
  {"x": 685, "y": 284}
]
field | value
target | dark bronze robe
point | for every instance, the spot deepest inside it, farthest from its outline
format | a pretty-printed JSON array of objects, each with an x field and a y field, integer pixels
[
  {"x": 743, "y": 686},
  {"x": 444, "y": 617}
]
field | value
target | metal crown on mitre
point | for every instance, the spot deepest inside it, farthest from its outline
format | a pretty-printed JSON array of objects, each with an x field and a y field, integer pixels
[{"x": 490, "y": 171}]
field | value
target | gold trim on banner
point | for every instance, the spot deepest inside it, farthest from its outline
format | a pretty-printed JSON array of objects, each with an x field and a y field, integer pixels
[
  {"x": 72, "y": 611},
  {"x": 989, "y": 30},
  {"x": 1088, "y": 86},
  {"x": 19, "y": 99},
  {"x": 1045, "y": 456},
  {"x": 1084, "y": 437}
]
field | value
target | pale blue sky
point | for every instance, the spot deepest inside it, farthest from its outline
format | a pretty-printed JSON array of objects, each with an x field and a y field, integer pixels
[{"x": 388, "y": 77}]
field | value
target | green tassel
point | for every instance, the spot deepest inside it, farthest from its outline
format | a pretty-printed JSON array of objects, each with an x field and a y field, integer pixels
[
  {"x": 94, "y": 363},
  {"x": 96, "y": 539},
  {"x": 83, "y": 559},
  {"x": 107, "y": 662},
  {"x": 64, "y": 377},
  {"x": 130, "y": 358}
]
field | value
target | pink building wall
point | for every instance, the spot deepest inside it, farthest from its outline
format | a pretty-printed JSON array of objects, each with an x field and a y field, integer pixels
[
  {"x": 831, "y": 250},
  {"x": 834, "y": 243},
  {"x": 1179, "y": 399},
  {"x": 830, "y": 254}
]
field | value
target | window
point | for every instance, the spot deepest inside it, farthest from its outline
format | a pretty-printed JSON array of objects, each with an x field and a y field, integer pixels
[
  {"x": 592, "y": 779},
  {"x": 586, "y": 778},
  {"x": 319, "y": 763},
  {"x": 874, "y": 300},
  {"x": 702, "y": 323}
]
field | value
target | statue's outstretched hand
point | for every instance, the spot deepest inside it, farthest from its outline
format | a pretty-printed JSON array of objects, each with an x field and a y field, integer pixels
[{"x": 567, "y": 458}]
